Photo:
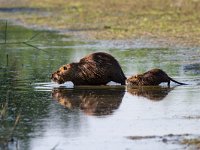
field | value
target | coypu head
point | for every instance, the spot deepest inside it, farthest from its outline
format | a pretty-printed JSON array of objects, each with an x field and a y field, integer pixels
[
  {"x": 134, "y": 80},
  {"x": 63, "y": 74}
]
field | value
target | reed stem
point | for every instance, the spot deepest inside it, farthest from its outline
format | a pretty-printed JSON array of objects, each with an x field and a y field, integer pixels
[{"x": 6, "y": 27}]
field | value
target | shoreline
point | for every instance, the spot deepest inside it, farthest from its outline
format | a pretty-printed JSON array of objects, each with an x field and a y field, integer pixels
[
  {"x": 153, "y": 41},
  {"x": 168, "y": 23}
]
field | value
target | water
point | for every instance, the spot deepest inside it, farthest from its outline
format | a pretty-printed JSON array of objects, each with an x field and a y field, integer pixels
[{"x": 105, "y": 117}]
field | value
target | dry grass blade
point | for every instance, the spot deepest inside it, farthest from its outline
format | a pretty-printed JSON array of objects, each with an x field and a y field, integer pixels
[
  {"x": 14, "y": 127},
  {"x": 3, "y": 111},
  {"x": 5, "y": 107},
  {"x": 16, "y": 121}
]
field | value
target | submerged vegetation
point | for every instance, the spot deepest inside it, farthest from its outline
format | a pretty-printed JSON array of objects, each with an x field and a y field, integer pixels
[
  {"x": 7, "y": 124},
  {"x": 26, "y": 42},
  {"x": 115, "y": 19}
]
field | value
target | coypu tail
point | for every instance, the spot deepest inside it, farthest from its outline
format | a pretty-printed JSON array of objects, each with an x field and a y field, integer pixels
[{"x": 177, "y": 82}]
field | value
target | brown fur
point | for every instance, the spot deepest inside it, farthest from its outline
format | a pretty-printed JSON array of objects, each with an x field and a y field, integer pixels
[
  {"x": 94, "y": 69},
  {"x": 151, "y": 77}
]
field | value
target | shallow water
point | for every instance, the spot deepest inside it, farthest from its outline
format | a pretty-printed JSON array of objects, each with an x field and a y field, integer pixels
[{"x": 105, "y": 117}]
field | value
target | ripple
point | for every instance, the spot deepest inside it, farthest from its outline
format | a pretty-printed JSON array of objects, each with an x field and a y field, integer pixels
[{"x": 48, "y": 86}]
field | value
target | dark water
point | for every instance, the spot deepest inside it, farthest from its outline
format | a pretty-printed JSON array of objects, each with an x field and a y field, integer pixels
[{"x": 36, "y": 115}]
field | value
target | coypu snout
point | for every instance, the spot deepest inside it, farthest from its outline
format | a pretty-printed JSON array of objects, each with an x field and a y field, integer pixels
[{"x": 57, "y": 78}]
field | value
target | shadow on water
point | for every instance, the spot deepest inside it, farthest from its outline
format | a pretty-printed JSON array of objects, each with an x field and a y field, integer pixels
[
  {"x": 154, "y": 93},
  {"x": 91, "y": 102},
  {"x": 19, "y": 9}
]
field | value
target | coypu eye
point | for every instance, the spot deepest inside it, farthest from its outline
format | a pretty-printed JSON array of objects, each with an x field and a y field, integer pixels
[{"x": 65, "y": 68}]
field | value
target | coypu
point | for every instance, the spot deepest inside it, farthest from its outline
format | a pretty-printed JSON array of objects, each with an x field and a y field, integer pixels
[
  {"x": 94, "y": 69},
  {"x": 151, "y": 77}
]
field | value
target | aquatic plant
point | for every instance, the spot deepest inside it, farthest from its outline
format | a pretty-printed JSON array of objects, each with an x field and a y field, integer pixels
[
  {"x": 8, "y": 131},
  {"x": 26, "y": 42}
]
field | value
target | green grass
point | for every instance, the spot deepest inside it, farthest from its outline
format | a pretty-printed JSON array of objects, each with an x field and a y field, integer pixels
[{"x": 115, "y": 19}]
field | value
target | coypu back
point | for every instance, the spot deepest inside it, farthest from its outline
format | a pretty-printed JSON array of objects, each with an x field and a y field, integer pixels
[
  {"x": 163, "y": 76},
  {"x": 94, "y": 69}
]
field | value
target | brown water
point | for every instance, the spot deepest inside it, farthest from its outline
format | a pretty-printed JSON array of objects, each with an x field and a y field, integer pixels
[{"x": 107, "y": 117}]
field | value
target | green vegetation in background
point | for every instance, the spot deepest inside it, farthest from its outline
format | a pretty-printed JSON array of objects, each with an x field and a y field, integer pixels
[{"x": 114, "y": 19}]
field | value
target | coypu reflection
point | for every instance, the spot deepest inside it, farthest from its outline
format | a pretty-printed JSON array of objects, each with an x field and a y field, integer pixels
[
  {"x": 92, "y": 102},
  {"x": 155, "y": 93}
]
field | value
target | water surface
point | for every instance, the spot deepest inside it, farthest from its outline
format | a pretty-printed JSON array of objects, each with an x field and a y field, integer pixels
[{"x": 107, "y": 117}]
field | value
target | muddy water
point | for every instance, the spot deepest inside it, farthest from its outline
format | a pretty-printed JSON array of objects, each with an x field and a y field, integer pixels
[{"x": 37, "y": 114}]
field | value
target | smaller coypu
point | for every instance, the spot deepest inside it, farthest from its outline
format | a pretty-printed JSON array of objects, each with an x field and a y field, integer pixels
[
  {"x": 151, "y": 77},
  {"x": 94, "y": 69}
]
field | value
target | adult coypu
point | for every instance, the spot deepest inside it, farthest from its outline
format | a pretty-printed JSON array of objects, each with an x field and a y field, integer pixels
[
  {"x": 94, "y": 69},
  {"x": 151, "y": 77}
]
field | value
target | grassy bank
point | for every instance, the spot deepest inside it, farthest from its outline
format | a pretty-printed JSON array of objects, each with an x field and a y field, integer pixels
[{"x": 114, "y": 19}]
